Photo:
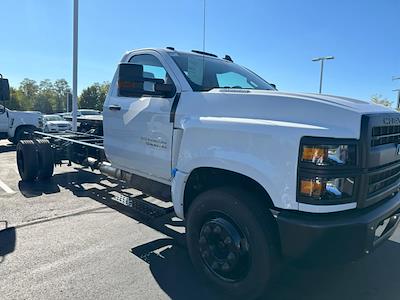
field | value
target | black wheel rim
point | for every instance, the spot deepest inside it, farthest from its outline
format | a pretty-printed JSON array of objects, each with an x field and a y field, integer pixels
[{"x": 224, "y": 248}]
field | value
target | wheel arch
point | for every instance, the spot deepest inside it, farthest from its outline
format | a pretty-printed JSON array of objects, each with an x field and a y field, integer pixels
[
  {"x": 203, "y": 178},
  {"x": 21, "y": 126}
]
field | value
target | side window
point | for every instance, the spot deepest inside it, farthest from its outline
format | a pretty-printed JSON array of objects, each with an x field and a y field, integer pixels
[{"x": 152, "y": 69}]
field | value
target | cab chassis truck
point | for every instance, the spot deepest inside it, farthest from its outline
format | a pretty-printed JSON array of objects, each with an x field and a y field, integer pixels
[{"x": 260, "y": 176}]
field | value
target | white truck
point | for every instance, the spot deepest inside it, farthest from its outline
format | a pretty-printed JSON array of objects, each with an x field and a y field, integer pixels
[
  {"x": 259, "y": 176},
  {"x": 15, "y": 124}
]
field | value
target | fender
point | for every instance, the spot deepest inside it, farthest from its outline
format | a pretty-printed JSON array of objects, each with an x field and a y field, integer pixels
[{"x": 251, "y": 147}]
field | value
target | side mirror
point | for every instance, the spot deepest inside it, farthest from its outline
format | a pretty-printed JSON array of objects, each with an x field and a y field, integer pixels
[
  {"x": 4, "y": 89},
  {"x": 132, "y": 83},
  {"x": 2, "y": 109},
  {"x": 273, "y": 85},
  {"x": 165, "y": 90}
]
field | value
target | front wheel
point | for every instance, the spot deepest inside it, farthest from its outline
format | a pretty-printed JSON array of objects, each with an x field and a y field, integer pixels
[{"x": 232, "y": 241}]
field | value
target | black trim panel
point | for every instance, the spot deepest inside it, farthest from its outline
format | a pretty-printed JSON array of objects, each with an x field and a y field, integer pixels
[
  {"x": 175, "y": 103},
  {"x": 342, "y": 235}
]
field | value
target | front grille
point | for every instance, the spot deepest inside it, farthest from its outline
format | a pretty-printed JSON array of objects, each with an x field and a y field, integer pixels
[
  {"x": 378, "y": 182},
  {"x": 382, "y": 135}
]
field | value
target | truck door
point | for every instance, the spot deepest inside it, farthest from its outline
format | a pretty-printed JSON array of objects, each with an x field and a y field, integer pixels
[
  {"x": 3, "y": 120},
  {"x": 137, "y": 130}
]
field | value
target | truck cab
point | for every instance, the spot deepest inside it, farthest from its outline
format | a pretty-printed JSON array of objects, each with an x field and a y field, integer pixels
[
  {"x": 15, "y": 124},
  {"x": 319, "y": 173},
  {"x": 259, "y": 176}
]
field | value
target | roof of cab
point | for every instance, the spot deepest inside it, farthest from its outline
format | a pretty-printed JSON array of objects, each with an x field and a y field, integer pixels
[{"x": 171, "y": 50}]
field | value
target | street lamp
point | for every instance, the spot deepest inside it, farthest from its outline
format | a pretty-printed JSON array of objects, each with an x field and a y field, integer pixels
[
  {"x": 75, "y": 68},
  {"x": 398, "y": 91},
  {"x": 322, "y": 59}
]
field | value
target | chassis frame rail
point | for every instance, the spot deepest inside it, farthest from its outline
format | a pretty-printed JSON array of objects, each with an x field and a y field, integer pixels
[{"x": 84, "y": 139}]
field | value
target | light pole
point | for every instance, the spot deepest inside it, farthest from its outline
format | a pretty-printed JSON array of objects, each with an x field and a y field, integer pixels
[
  {"x": 75, "y": 68},
  {"x": 322, "y": 59},
  {"x": 398, "y": 98},
  {"x": 398, "y": 92}
]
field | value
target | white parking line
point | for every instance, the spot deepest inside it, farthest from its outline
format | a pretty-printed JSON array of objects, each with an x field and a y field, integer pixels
[{"x": 6, "y": 188}]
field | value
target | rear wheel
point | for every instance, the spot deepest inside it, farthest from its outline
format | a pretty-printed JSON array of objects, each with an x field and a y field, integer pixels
[
  {"x": 27, "y": 160},
  {"x": 232, "y": 241},
  {"x": 46, "y": 160}
]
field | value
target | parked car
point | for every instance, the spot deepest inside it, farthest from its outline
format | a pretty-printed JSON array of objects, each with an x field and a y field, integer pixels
[
  {"x": 63, "y": 115},
  {"x": 88, "y": 112},
  {"x": 55, "y": 123}
]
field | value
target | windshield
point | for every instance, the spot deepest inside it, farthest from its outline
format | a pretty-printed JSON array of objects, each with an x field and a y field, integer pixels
[
  {"x": 205, "y": 73},
  {"x": 89, "y": 112},
  {"x": 53, "y": 118}
]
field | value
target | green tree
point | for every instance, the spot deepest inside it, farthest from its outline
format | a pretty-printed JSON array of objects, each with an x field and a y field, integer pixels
[
  {"x": 61, "y": 89},
  {"x": 27, "y": 93},
  {"x": 46, "y": 97},
  {"x": 93, "y": 97},
  {"x": 378, "y": 99},
  {"x": 14, "y": 102}
]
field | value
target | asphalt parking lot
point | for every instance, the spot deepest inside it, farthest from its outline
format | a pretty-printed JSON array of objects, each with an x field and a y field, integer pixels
[{"x": 78, "y": 236}]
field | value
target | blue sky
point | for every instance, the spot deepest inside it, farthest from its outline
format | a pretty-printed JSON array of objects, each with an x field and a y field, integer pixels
[{"x": 277, "y": 39}]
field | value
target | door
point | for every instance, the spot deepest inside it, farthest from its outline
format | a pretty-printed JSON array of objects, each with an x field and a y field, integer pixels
[
  {"x": 137, "y": 130},
  {"x": 3, "y": 120}
]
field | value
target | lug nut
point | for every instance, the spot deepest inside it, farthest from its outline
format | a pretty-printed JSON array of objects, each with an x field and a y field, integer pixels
[
  {"x": 225, "y": 267},
  {"x": 217, "y": 230},
  {"x": 205, "y": 254},
  {"x": 231, "y": 256},
  {"x": 228, "y": 240}
]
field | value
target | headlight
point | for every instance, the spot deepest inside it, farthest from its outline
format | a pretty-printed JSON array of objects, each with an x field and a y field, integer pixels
[
  {"x": 327, "y": 171},
  {"x": 325, "y": 189},
  {"x": 328, "y": 155}
]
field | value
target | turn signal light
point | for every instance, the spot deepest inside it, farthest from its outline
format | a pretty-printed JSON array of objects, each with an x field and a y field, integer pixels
[
  {"x": 314, "y": 154},
  {"x": 326, "y": 188},
  {"x": 312, "y": 188}
]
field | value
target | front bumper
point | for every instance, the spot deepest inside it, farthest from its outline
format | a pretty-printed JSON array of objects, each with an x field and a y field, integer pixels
[{"x": 341, "y": 236}]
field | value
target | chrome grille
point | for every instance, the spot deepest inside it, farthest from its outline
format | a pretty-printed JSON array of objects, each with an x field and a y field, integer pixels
[
  {"x": 382, "y": 180},
  {"x": 382, "y": 135}
]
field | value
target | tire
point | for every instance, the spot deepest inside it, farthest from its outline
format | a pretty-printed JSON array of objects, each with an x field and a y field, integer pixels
[
  {"x": 46, "y": 160},
  {"x": 243, "y": 264},
  {"x": 27, "y": 160}
]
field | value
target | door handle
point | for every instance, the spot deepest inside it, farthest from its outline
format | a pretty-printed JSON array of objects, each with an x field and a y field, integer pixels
[{"x": 114, "y": 107}]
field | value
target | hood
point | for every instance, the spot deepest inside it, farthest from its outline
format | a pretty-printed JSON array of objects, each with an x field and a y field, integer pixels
[
  {"x": 335, "y": 116},
  {"x": 25, "y": 113},
  {"x": 58, "y": 123},
  {"x": 359, "y": 106}
]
